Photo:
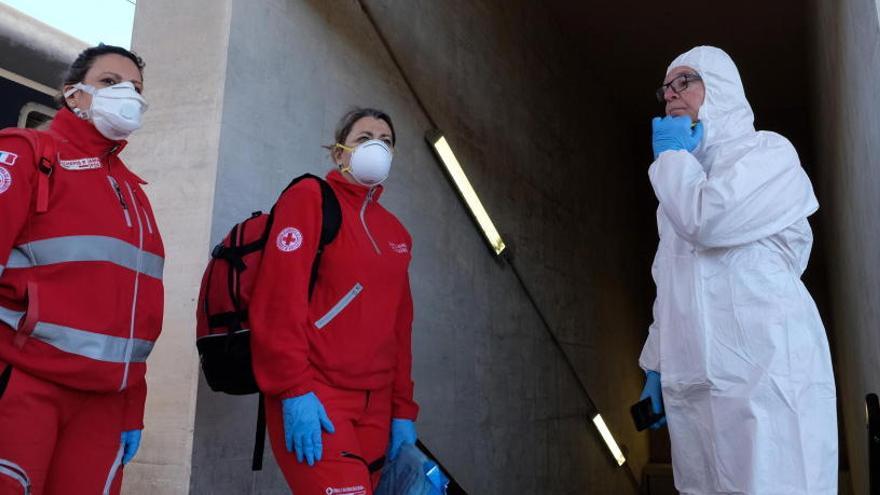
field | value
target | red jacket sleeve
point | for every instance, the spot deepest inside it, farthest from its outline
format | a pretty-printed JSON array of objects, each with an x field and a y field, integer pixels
[
  {"x": 135, "y": 400},
  {"x": 280, "y": 303},
  {"x": 17, "y": 172},
  {"x": 403, "y": 406}
]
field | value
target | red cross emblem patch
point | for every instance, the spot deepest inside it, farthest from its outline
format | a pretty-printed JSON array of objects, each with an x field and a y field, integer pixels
[
  {"x": 5, "y": 180},
  {"x": 289, "y": 239}
]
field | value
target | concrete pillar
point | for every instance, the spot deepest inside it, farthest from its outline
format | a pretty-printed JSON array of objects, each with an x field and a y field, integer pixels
[
  {"x": 184, "y": 45},
  {"x": 847, "y": 44}
]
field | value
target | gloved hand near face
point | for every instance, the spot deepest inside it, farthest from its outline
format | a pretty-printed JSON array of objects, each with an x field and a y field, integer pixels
[{"x": 675, "y": 133}]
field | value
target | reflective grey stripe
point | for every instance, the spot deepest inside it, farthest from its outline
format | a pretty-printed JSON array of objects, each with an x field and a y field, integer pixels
[
  {"x": 14, "y": 471},
  {"x": 86, "y": 248},
  {"x": 115, "y": 467},
  {"x": 81, "y": 342},
  {"x": 92, "y": 345},
  {"x": 1, "y": 270},
  {"x": 336, "y": 309},
  {"x": 18, "y": 259},
  {"x": 11, "y": 317}
]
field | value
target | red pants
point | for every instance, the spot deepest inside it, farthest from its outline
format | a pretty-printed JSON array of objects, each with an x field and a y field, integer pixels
[
  {"x": 57, "y": 440},
  {"x": 362, "y": 421}
]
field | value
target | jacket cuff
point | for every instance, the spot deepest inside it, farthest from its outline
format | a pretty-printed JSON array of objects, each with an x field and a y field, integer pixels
[
  {"x": 405, "y": 409},
  {"x": 135, "y": 400},
  {"x": 297, "y": 390}
]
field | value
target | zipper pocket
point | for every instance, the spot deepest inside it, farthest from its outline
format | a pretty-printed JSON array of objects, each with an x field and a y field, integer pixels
[
  {"x": 146, "y": 215},
  {"x": 339, "y": 306},
  {"x": 372, "y": 467},
  {"x": 118, "y": 192}
]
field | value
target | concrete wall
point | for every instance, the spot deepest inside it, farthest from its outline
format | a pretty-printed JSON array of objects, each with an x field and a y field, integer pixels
[
  {"x": 184, "y": 45},
  {"x": 498, "y": 405},
  {"x": 847, "y": 70}
]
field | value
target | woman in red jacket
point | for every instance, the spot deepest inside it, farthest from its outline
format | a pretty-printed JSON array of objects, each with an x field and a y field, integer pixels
[
  {"x": 338, "y": 361},
  {"x": 80, "y": 286}
]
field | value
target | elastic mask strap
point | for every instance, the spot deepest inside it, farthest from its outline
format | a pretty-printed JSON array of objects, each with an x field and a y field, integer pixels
[
  {"x": 86, "y": 88},
  {"x": 80, "y": 87},
  {"x": 344, "y": 148}
]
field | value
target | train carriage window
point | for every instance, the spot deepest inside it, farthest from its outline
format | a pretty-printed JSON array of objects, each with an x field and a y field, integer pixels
[{"x": 35, "y": 116}]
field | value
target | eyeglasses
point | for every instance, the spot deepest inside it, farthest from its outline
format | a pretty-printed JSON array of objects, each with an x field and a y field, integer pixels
[{"x": 678, "y": 84}]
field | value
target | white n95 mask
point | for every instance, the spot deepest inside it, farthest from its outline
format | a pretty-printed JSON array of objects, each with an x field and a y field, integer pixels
[
  {"x": 370, "y": 162},
  {"x": 116, "y": 110}
]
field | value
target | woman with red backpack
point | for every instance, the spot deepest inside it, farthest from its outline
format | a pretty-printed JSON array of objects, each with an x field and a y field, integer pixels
[
  {"x": 80, "y": 286},
  {"x": 335, "y": 366}
]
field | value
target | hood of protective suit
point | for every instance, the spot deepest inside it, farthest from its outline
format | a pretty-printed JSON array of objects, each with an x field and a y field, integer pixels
[{"x": 726, "y": 114}]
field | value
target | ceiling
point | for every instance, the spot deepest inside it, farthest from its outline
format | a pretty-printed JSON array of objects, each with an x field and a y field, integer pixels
[{"x": 629, "y": 43}]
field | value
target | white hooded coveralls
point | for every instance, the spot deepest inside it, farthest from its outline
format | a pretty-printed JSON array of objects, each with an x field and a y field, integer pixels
[{"x": 742, "y": 352}]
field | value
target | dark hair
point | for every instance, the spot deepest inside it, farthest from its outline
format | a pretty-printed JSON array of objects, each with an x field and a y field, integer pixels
[
  {"x": 343, "y": 128},
  {"x": 78, "y": 69}
]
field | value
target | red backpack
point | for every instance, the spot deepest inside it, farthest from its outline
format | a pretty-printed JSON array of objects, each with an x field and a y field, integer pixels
[
  {"x": 222, "y": 326},
  {"x": 45, "y": 154}
]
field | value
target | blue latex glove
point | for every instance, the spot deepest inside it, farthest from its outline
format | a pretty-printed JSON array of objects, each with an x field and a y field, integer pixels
[
  {"x": 304, "y": 416},
  {"x": 675, "y": 133},
  {"x": 131, "y": 441},
  {"x": 403, "y": 432},
  {"x": 652, "y": 390}
]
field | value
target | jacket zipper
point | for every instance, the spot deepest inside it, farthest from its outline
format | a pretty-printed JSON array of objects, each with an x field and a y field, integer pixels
[
  {"x": 367, "y": 201},
  {"x": 129, "y": 346},
  {"x": 115, "y": 186}
]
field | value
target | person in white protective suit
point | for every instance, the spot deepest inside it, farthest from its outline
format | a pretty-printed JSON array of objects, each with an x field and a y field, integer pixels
[{"x": 737, "y": 342}]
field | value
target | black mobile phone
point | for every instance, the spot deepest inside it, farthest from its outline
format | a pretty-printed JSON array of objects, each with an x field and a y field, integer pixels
[{"x": 643, "y": 414}]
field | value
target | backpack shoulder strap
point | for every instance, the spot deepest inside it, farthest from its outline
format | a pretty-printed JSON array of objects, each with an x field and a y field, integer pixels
[
  {"x": 331, "y": 221},
  {"x": 45, "y": 156},
  {"x": 331, "y": 214}
]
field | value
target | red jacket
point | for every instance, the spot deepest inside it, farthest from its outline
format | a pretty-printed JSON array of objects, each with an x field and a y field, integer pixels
[
  {"x": 83, "y": 280},
  {"x": 356, "y": 331}
]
